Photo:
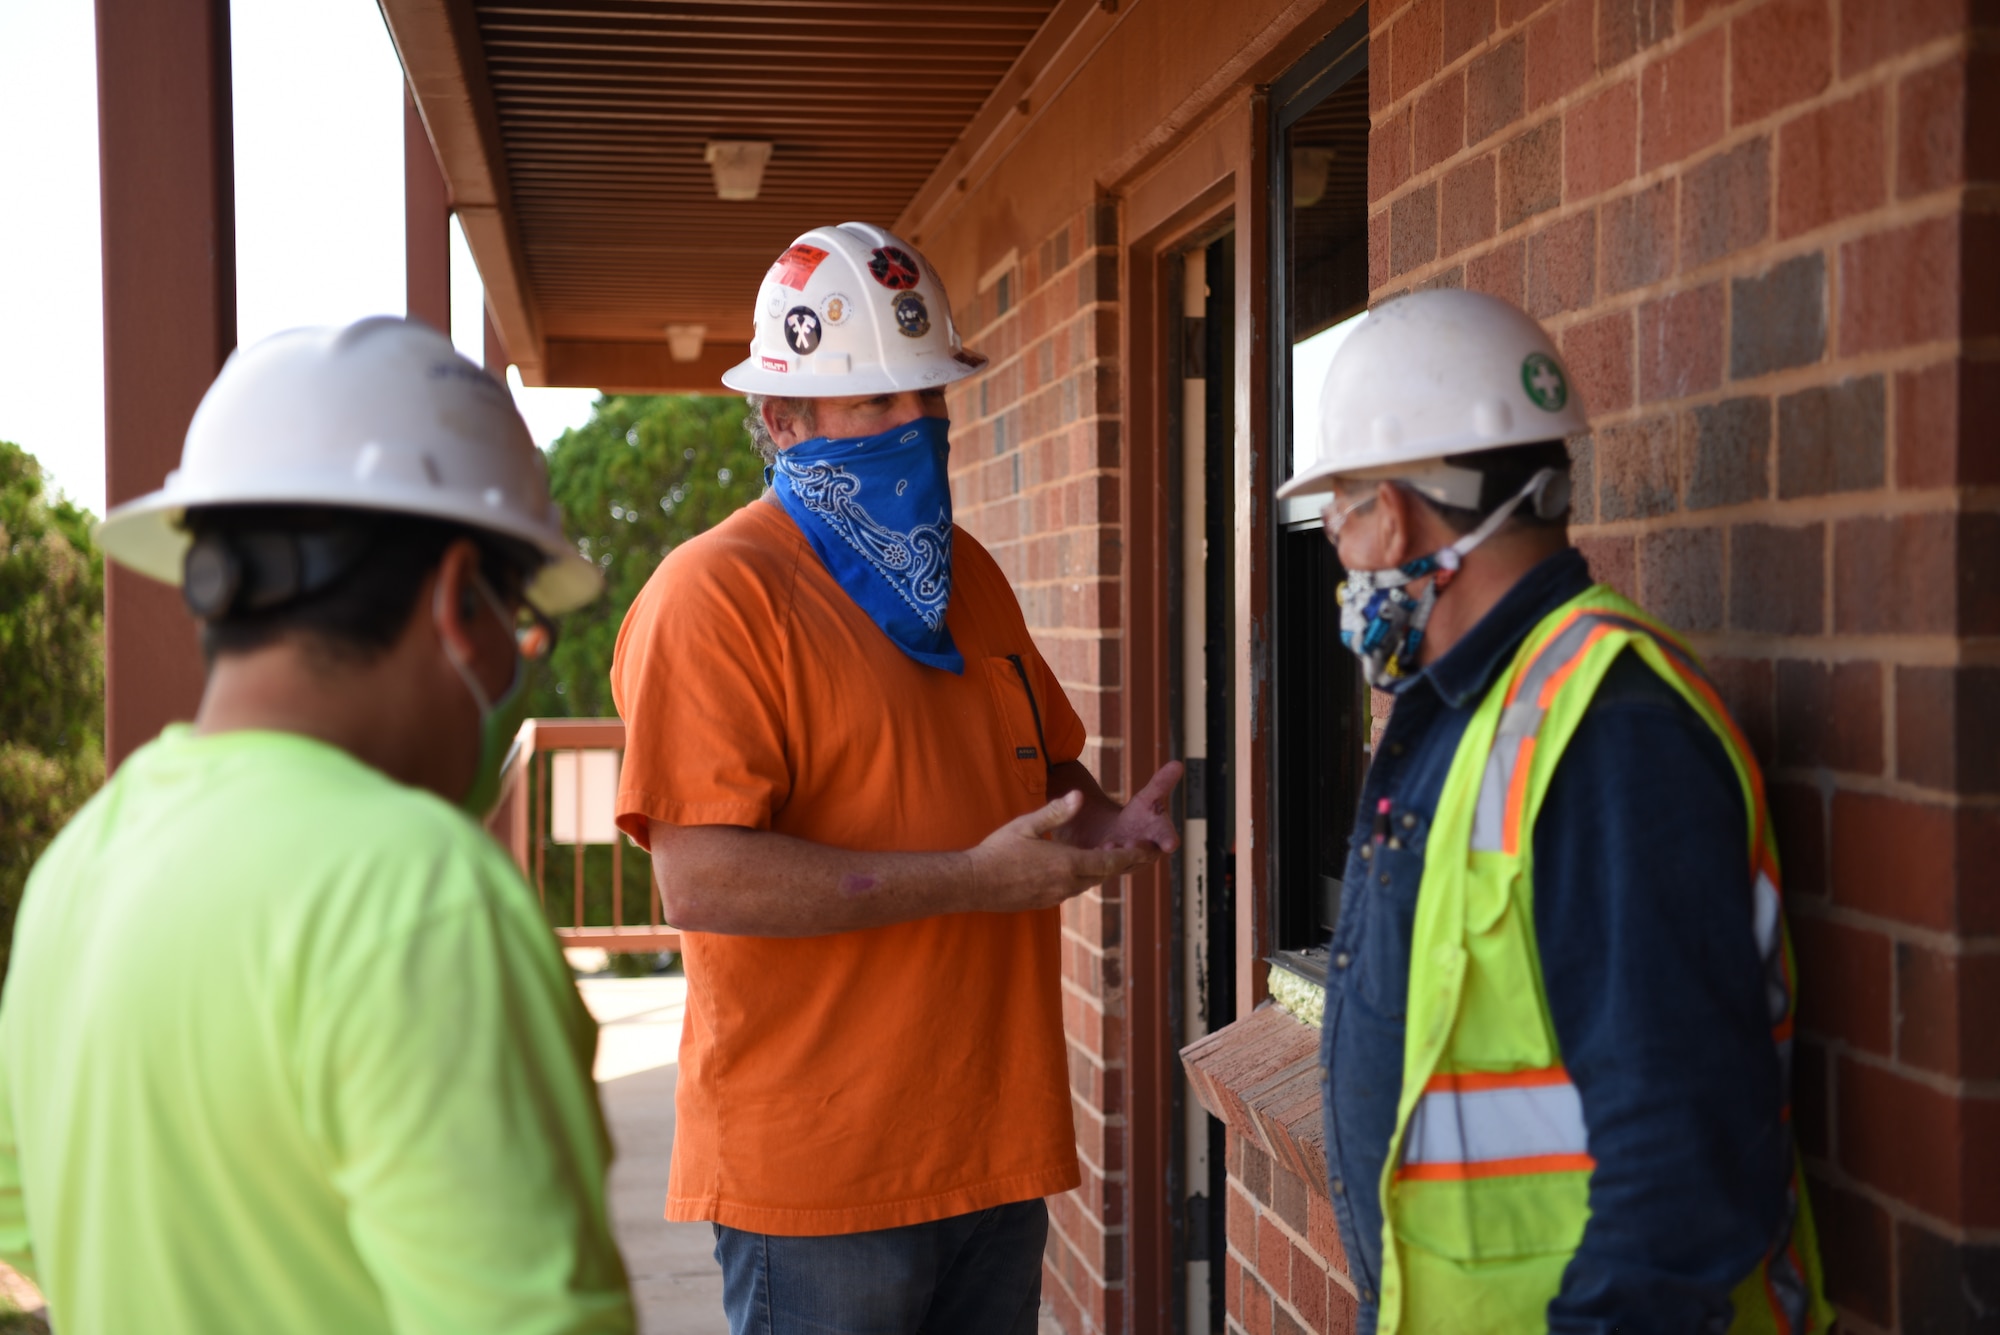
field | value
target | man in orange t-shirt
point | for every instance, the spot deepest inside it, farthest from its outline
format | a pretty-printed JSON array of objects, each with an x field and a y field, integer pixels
[{"x": 859, "y": 784}]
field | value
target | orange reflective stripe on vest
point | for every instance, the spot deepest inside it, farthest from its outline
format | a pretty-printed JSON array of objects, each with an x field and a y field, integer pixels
[
  {"x": 1503, "y": 789},
  {"x": 1489, "y": 1123}
]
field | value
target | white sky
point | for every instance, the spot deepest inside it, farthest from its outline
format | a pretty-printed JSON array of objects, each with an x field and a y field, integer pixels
[
  {"x": 319, "y": 210},
  {"x": 1310, "y": 359}
]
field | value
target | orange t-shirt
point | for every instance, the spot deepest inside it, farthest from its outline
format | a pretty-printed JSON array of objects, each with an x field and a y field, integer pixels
[{"x": 859, "y": 1080}]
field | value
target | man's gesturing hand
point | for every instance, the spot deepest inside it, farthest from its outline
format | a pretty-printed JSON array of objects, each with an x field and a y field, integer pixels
[
  {"x": 1017, "y": 867},
  {"x": 1144, "y": 821}
]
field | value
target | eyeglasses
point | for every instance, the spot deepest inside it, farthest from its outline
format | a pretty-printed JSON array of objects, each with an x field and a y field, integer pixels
[{"x": 1336, "y": 515}]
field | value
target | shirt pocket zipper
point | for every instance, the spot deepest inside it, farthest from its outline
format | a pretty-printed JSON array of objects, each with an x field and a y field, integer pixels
[{"x": 1031, "y": 763}]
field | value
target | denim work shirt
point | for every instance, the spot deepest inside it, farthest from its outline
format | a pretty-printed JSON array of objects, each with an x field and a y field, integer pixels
[{"x": 1642, "y": 906}]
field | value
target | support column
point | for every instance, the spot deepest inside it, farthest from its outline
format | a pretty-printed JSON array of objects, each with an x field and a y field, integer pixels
[
  {"x": 168, "y": 198},
  {"x": 426, "y": 225}
]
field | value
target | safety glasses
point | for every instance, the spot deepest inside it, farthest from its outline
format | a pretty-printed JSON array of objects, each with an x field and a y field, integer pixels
[{"x": 1336, "y": 515}]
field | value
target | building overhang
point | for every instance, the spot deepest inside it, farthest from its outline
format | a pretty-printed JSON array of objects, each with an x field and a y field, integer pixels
[{"x": 574, "y": 140}]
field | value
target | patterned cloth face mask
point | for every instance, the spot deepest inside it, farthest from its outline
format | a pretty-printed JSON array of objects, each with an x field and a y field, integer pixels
[
  {"x": 1382, "y": 623},
  {"x": 877, "y": 510}
]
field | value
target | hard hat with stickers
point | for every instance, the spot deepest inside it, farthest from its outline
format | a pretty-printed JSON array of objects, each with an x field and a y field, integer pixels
[{"x": 852, "y": 310}]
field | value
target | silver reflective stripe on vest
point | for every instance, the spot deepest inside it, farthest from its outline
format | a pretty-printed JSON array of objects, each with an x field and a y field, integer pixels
[
  {"x": 1522, "y": 719},
  {"x": 1771, "y": 948},
  {"x": 1496, "y": 1125},
  {"x": 1519, "y": 722}
]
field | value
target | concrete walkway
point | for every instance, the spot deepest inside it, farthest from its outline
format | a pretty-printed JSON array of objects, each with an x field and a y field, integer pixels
[{"x": 675, "y": 1280}]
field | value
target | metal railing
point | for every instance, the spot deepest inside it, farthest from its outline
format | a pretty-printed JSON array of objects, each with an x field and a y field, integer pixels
[{"x": 558, "y": 799}]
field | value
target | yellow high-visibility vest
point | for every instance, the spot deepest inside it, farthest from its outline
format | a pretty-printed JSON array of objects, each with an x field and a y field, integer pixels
[{"x": 1485, "y": 1192}]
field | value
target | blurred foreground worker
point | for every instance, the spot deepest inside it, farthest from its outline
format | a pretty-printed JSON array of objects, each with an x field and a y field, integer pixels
[
  {"x": 286, "y": 1045},
  {"x": 1558, "y": 1026},
  {"x": 844, "y": 752}
]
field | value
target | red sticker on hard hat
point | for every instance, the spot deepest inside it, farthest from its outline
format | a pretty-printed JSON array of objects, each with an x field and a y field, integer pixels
[
  {"x": 776, "y": 364},
  {"x": 802, "y": 329},
  {"x": 912, "y": 319},
  {"x": 894, "y": 268},
  {"x": 795, "y": 266}
]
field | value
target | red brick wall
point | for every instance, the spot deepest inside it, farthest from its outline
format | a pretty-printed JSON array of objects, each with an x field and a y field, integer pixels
[
  {"x": 1286, "y": 1273},
  {"x": 1763, "y": 233},
  {"x": 1035, "y": 459}
]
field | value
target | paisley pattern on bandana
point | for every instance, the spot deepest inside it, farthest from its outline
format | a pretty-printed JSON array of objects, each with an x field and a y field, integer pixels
[
  {"x": 877, "y": 510},
  {"x": 915, "y": 564}
]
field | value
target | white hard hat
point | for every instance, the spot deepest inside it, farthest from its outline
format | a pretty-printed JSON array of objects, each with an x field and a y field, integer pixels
[
  {"x": 1435, "y": 374},
  {"x": 382, "y": 415},
  {"x": 850, "y": 310}
]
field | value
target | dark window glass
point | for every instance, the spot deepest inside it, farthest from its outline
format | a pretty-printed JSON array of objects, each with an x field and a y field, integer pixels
[{"x": 1320, "y": 254}]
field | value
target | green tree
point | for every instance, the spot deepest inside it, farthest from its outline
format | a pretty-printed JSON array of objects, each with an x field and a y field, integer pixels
[
  {"x": 644, "y": 475},
  {"x": 51, "y": 670}
]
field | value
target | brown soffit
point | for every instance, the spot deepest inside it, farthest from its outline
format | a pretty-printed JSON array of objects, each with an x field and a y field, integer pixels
[
  {"x": 572, "y": 133},
  {"x": 637, "y": 366},
  {"x": 1128, "y": 89},
  {"x": 438, "y": 44}
]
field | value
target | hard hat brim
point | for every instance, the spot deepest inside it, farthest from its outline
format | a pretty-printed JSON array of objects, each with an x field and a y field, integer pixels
[
  {"x": 1314, "y": 481},
  {"x": 147, "y": 535},
  {"x": 750, "y": 377}
]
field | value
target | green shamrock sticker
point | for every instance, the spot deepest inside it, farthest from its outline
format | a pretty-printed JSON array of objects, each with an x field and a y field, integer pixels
[{"x": 1543, "y": 379}]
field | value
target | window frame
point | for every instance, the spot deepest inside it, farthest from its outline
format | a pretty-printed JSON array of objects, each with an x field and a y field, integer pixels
[{"x": 1330, "y": 65}]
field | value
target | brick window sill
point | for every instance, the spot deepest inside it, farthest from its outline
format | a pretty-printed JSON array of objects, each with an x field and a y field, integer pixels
[{"x": 1260, "y": 1076}]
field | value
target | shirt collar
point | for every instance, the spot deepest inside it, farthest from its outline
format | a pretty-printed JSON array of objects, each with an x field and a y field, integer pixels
[{"x": 1469, "y": 665}]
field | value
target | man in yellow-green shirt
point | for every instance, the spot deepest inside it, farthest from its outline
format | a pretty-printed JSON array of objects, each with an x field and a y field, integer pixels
[{"x": 286, "y": 1045}]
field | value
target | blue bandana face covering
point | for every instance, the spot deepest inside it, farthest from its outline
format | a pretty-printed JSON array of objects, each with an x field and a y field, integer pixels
[{"x": 877, "y": 509}]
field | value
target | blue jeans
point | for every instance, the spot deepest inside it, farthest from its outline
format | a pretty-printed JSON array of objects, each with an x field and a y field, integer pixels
[{"x": 971, "y": 1274}]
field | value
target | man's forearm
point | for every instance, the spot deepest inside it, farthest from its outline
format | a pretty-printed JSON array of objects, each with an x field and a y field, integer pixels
[{"x": 739, "y": 882}]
